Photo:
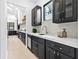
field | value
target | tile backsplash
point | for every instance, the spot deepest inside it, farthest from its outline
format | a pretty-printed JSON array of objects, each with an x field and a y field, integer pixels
[
  {"x": 53, "y": 29},
  {"x": 71, "y": 27}
]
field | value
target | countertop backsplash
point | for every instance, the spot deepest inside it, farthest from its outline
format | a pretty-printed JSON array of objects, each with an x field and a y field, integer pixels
[{"x": 53, "y": 29}]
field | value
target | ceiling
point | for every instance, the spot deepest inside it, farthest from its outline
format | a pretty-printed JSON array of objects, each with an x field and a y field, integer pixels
[
  {"x": 32, "y": 1},
  {"x": 13, "y": 10}
]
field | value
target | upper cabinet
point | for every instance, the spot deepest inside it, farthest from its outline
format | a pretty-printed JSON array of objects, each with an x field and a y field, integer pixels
[
  {"x": 36, "y": 16},
  {"x": 70, "y": 10},
  {"x": 57, "y": 10},
  {"x": 65, "y": 11}
]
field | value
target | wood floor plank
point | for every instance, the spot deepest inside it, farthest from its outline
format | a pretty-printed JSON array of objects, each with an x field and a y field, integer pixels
[{"x": 17, "y": 50}]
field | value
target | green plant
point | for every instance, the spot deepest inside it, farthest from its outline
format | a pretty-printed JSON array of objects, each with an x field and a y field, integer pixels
[{"x": 34, "y": 30}]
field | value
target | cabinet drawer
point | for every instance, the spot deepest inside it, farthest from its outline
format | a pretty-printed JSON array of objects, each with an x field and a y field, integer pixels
[
  {"x": 39, "y": 40},
  {"x": 35, "y": 50},
  {"x": 34, "y": 44},
  {"x": 61, "y": 48}
]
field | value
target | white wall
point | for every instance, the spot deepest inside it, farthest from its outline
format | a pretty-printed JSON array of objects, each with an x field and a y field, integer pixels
[
  {"x": 23, "y": 27},
  {"x": 28, "y": 21},
  {"x": 3, "y": 30},
  {"x": 53, "y": 29},
  {"x": 21, "y": 14}
]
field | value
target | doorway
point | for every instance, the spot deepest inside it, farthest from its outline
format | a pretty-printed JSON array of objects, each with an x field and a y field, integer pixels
[{"x": 16, "y": 27}]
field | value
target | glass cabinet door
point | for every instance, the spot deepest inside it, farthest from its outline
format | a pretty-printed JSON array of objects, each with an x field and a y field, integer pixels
[
  {"x": 57, "y": 11},
  {"x": 68, "y": 8}
]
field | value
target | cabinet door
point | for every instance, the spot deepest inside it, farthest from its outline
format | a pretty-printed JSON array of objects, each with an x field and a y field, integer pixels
[
  {"x": 33, "y": 17},
  {"x": 50, "y": 53},
  {"x": 65, "y": 11},
  {"x": 23, "y": 38},
  {"x": 41, "y": 51},
  {"x": 35, "y": 48},
  {"x": 36, "y": 16},
  {"x": 76, "y": 54},
  {"x": 57, "y": 10},
  {"x": 70, "y": 10},
  {"x": 63, "y": 56}
]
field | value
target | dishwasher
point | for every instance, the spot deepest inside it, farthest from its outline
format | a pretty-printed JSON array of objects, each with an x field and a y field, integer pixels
[{"x": 29, "y": 41}]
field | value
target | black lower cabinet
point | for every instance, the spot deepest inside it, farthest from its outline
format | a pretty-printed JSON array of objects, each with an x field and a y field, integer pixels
[
  {"x": 22, "y": 37},
  {"x": 41, "y": 51},
  {"x": 38, "y": 47},
  {"x": 50, "y": 53},
  {"x": 35, "y": 48},
  {"x": 53, "y": 54},
  {"x": 59, "y": 51},
  {"x": 45, "y": 49},
  {"x": 63, "y": 56},
  {"x": 76, "y": 53}
]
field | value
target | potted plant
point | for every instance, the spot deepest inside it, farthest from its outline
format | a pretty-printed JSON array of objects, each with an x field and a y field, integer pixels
[{"x": 34, "y": 30}]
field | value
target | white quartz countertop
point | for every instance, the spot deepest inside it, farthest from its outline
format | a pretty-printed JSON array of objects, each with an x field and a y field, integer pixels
[{"x": 66, "y": 41}]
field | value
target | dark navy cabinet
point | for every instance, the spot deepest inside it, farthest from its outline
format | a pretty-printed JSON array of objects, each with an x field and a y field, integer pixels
[
  {"x": 38, "y": 47},
  {"x": 46, "y": 49},
  {"x": 59, "y": 51},
  {"x": 65, "y": 11},
  {"x": 63, "y": 56},
  {"x": 50, "y": 53},
  {"x": 35, "y": 48},
  {"x": 70, "y": 10},
  {"x": 54, "y": 54},
  {"x": 36, "y": 16},
  {"x": 22, "y": 37},
  {"x": 41, "y": 51},
  {"x": 57, "y": 11}
]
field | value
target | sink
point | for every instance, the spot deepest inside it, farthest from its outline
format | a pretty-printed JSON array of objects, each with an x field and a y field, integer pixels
[{"x": 41, "y": 34}]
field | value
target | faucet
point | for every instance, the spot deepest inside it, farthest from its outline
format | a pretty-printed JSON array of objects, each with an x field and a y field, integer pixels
[{"x": 45, "y": 27}]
